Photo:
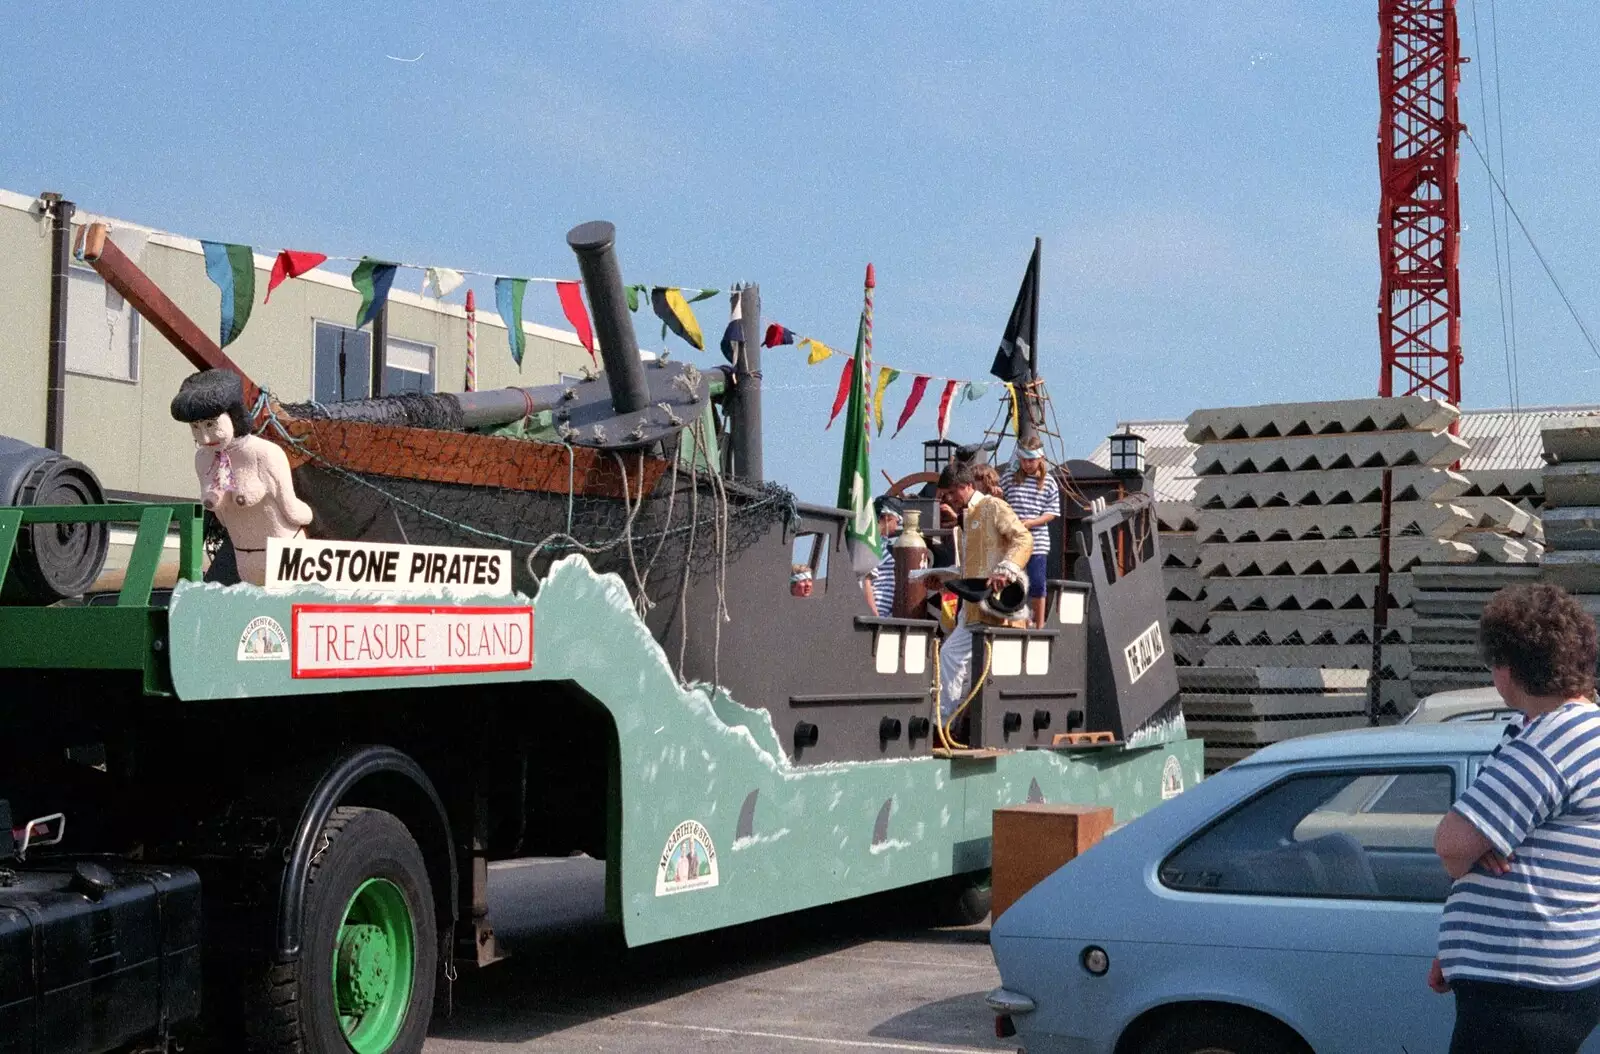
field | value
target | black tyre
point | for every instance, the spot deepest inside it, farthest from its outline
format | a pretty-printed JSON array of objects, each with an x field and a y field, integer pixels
[
  {"x": 1202, "y": 1031},
  {"x": 365, "y": 977},
  {"x": 962, "y": 901}
]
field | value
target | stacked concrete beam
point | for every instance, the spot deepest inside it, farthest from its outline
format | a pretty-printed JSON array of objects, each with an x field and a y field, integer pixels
[
  {"x": 1448, "y": 602},
  {"x": 1289, "y": 501},
  {"x": 1571, "y": 513},
  {"x": 1186, "y": 596},
  {"x": 1239, "y": 710}
]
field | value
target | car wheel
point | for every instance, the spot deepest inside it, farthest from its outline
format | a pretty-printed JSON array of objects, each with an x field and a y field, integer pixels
[{"x": 1209, "y": 1032}]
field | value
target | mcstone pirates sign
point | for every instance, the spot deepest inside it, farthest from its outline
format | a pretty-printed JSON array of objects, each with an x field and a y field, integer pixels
[{"x": 382, "y": 567}]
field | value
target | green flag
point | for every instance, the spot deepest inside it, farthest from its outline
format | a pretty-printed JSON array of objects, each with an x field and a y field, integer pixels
[{"x": 855, "y": 468}]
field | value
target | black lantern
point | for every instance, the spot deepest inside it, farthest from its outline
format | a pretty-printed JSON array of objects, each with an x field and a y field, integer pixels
[
  {"x": 936, "y": 454},
  {"x": 1127, "y": 453}
]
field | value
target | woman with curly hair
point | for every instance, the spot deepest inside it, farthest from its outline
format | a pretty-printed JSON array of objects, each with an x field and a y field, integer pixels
[{"x": 1519, "y": 941}]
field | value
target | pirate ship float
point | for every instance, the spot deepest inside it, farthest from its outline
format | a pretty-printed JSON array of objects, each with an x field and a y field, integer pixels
[{"x": 653, "y": 471}]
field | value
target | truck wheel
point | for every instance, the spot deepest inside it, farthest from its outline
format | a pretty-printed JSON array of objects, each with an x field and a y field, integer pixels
[
  {"x": 963, "y": 900},
  {"x": 364, "y": 980}
]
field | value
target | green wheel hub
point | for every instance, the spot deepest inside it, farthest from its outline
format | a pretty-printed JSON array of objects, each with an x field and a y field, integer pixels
[{"x": 374, "y": 957}]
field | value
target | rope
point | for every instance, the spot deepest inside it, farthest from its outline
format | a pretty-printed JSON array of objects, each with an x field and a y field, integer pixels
[
  {"x": 1494, "y": 229},
  {"x": 946, "y": 736},
  {"x": 1549, "y": 273}
]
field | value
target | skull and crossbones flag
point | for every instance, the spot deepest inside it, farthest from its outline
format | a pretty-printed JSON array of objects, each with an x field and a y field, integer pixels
[{"x": 1013, "y": 362}]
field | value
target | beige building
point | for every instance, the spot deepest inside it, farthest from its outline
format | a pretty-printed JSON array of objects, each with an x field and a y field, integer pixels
[{"x": 121, "y": 373}]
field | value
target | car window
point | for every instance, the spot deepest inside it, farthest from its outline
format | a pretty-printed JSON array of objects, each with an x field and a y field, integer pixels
[
  {"x": 1499, "y": 713},
  {"x": 1366, "y": 834}
]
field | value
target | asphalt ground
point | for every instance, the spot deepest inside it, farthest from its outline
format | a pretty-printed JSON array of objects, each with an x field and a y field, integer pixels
[{"x": 847, "y": 979}]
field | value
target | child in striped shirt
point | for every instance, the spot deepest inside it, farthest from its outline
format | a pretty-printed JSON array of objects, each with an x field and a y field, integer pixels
[{"x": 1034, "y": 496}]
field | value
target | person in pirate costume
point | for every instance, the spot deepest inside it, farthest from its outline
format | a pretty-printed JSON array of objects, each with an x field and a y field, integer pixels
[
  {"x": 244, "y": 479},
  {"x": 995, "y": 548}
]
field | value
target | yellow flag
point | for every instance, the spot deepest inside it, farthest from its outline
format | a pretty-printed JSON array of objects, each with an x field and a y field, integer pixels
[
  {"x": 673, "y": 311},
  {"x": 886, "y": 377},
  {"x": 819, "y": 351},
  {"x": 1016, "y": 421}
]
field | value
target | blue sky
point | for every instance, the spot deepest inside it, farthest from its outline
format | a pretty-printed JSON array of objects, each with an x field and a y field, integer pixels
[{"x": 1204, "y": 175}]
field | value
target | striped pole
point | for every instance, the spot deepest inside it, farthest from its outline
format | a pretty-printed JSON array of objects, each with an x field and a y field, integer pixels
[
  {"x": 472, "y": 342},
  {"x": 865, "y": 380}
]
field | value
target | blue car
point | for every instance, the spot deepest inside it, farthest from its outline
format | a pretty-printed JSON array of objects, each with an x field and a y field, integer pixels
[{"x": 1288, "y": 904}]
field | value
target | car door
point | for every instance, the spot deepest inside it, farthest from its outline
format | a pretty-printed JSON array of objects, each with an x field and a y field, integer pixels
[{"x": 1318, "y": 900}]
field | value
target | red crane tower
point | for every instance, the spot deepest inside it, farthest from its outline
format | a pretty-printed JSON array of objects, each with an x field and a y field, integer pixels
[{"x": 1419, "y": 220}]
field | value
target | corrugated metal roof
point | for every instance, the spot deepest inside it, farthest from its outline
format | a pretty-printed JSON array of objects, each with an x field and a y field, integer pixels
[
  {"x": 1504, "y": 440},
  {"x": 1501, "y": 441}
]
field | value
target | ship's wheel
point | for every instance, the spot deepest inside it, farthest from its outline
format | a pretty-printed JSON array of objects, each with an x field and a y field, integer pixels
[{"x": 897, "y": 487}]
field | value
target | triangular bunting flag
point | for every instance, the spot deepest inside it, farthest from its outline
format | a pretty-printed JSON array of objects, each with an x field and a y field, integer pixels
[
  {"x": 919, "y": 385},
  {"x": 233, "y": 269},
  {"x": 887, "y": 375},
  {"x": 818, "y": 352},
  {"x": 974, "y": 391},
  {"x": 508, "y": 293},
  {"x": 673, "y": 310},
  {"x": 440, "y": 282},
  {"x": 776, "y": 335},
  {"x": 632, "y": 292},
  {"x": 572, "y": 306},
  {"x": 1011, "y": 394},
  {"x": 373, "y": 278},
  {"x": 290, "y": 264},
  {"x": 843, "y": 393},
  {"x": 733, "y": 337},
  {"x": 704, "y": 294},
  {"x": 946, "y": 398}
]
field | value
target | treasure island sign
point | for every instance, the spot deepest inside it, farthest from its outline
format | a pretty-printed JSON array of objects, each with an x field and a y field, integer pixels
[{"x": 389, "y": 640}]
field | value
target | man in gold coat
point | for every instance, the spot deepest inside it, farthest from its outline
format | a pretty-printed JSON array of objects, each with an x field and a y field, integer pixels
[{"x": 994, "y": 546}]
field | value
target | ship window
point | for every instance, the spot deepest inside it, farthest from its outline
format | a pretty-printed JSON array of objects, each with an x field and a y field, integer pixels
[
  {"x": 102, "y": 329},
  {"x": 808, "y": 570},
  {"x": 343, "y": 368},
  {"x": 408, "y": 368}
]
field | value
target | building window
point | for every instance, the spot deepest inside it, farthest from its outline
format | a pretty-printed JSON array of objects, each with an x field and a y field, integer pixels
[
  {"x": 102, "y": 329},
  {"x": 408, "y": 368},
  {"x": 343, "y": 368},
  {"x": 1365, "y": 834}
]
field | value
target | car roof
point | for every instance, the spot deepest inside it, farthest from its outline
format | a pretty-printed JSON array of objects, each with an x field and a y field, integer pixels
[{"x": 1468, "y": 737}]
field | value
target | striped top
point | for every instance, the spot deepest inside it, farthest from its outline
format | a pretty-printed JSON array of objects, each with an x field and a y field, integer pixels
[
  {"x": 1030, "y": 498},
  {"x": 882, "y": 578},
  {"x": 1538, "y": 799}
]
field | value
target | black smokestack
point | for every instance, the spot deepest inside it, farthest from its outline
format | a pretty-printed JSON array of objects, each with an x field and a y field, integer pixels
[{"x": 597, "y": 260}]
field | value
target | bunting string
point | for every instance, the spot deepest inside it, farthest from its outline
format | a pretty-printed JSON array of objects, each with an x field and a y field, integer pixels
[{"x": 953, "y": 389}]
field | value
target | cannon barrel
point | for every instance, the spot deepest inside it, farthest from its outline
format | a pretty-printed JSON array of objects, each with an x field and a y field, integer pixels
[{"x": 594, "y": 243}]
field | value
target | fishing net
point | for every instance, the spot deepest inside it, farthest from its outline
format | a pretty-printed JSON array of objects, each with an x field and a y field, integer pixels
[{"x": 651, "y": 519}]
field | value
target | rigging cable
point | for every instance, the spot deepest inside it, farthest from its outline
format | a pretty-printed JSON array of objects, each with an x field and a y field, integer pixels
[
  {"x": 1500, "y": 133},
  {"x": 1494, "y": 232},
  {"x": 1549, "y": 273}
]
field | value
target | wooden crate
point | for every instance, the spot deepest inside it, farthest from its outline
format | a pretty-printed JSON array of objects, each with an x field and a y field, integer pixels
[{"x": 1032, "y": 841}]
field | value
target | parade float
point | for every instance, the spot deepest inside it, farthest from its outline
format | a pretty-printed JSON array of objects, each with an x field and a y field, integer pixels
[{"x": 440, "y": 630}]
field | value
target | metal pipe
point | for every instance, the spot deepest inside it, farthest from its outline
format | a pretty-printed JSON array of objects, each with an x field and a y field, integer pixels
[
  {"x": 55, "y": 393},
  {"x": 380, "y": 349},
  {"x": 1380, "y": 601},
  {"x": 594, "y": 243},
  {"x": 744, "y": 399}
]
